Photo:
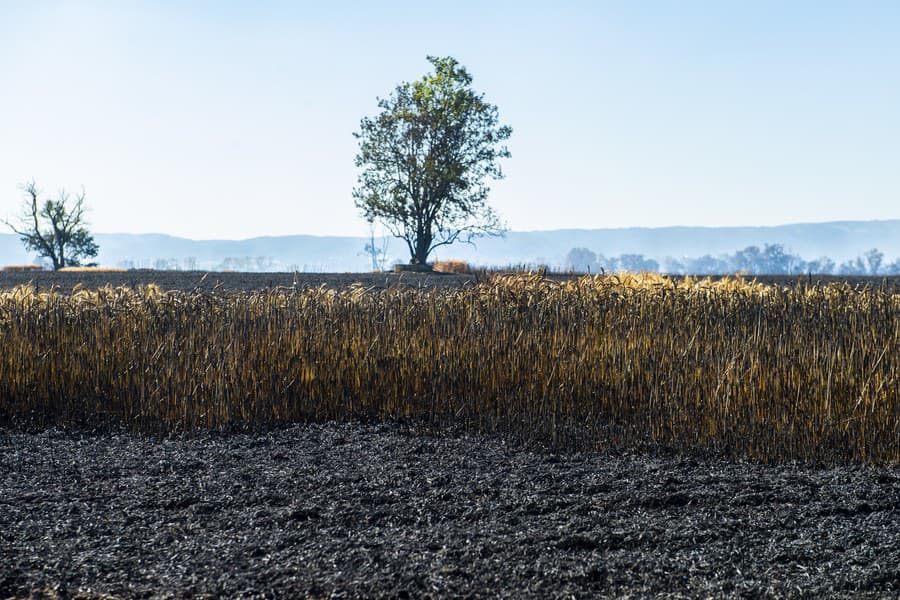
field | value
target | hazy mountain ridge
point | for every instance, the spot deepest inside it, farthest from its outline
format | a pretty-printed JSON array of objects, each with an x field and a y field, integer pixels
[{"x": 839, "y": 240}]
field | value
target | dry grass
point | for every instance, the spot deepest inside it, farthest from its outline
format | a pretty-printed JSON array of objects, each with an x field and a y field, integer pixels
[
  {"x": 451, "y": 266},
  {"x": 23, "y": 268},
  {"x": 764, "y": 372},
  {"x": 92, "y": 270}
]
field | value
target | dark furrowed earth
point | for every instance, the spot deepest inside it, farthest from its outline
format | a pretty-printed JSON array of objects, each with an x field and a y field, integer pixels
[{"x": 353, "y": 510}]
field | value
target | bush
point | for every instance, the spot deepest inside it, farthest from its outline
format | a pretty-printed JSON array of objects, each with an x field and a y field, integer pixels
[{"x": 451, "y": 266}]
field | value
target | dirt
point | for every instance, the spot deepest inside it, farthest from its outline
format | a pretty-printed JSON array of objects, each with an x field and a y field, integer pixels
[{"x": 387, "y": 510}]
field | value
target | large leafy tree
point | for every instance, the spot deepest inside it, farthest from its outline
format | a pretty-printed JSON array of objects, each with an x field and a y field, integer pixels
[
  {"x": 55, "y": 229},
  {"x": 426, "y": 158}
]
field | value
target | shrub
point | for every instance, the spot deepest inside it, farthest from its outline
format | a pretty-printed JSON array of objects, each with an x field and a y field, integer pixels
[{"x": 451, "y": 266}]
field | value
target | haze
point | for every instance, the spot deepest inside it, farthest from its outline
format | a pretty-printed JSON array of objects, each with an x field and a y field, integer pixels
[{"x": 234, "y": 119}]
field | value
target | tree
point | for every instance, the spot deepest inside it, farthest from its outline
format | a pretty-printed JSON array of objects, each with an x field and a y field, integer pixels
[
  {"x": 636, "y": 263},
  {"x": 581, "y": 260},
  {"x": 775, "y": 260},
  {"x": 709, "y": 265},
  {"x": 853, "y": 267},
  {"x": 55, "y": 229},
  {"x": 874, "y": 260},
  {"x": 748, "y": 260},
  {"x": 425, "y": 159},
  {"x": 822, "y": 265},
  {"x": 607, "y": 264}
]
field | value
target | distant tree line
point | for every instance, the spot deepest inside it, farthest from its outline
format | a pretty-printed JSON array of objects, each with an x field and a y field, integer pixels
[
  {"x": 771, "y": 259},
  {"x": 242, "y": 264}
]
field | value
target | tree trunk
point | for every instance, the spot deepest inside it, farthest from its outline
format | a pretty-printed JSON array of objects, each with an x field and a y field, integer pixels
[{"x": 423, "y": 243}]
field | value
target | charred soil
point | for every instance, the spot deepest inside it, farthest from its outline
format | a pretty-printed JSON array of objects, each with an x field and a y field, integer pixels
[{"x": 353, "y": 510}]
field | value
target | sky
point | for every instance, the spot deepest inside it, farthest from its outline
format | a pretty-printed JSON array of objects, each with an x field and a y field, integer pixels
[{"x": 230, "y": 120}]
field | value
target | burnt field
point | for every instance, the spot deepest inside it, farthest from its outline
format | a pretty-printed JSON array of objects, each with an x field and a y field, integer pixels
[
  {"x": 387, "y": 510},
  {"x": 208, "y": 281},
  {"x": 447, "y": 435},
  {"x": 227, "y": 282}
]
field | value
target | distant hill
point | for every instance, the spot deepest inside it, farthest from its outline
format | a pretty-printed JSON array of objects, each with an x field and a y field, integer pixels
[{"x": 840, "y": 240}]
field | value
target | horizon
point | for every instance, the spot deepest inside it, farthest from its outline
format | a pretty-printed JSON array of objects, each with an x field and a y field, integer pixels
[
  {"x": 561, "y": 229},
  {"x": 834, "y": 246},
  {"x": 227, "y": 121}
]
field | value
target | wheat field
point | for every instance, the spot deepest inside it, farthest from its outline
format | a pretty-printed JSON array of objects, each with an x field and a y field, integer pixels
[{"x": 762, "y": 372}]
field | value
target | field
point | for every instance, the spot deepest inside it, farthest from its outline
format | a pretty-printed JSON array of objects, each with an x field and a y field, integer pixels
[
  {"x": 750, "y": 370},
  {"x": 355, "y": 511},
  {"x": 643, "y": 435},
  {"x": 249, "y": 282}
]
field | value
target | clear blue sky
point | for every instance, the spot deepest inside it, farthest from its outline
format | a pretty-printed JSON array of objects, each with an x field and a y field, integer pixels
[{"x": 214, "y": 119}]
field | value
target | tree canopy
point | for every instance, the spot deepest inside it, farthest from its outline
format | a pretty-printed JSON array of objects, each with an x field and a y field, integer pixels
[
  {"x": 55, "y": 229},
  {"x": 426, "y": 158}
]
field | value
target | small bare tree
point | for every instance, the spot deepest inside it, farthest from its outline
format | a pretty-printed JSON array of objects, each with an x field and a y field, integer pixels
[
  {"x": 55, "y": 229},
  {"x": 377, "y": 253}
]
